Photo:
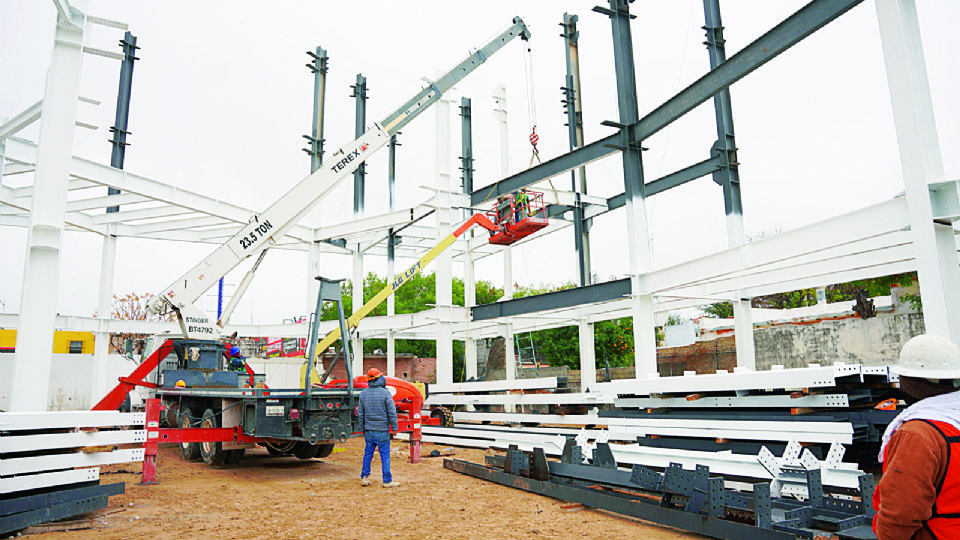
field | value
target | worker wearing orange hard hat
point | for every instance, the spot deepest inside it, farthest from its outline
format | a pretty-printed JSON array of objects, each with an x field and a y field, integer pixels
[
  {"x": 377, "y": 417},
  {"x": 918, "y": 496}
]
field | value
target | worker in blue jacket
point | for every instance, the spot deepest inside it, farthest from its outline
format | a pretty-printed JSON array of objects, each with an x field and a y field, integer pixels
[{"x": 377, "y": 418}]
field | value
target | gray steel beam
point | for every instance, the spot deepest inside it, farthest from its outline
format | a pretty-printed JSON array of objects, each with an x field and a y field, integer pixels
[
  {"x": 573, "y": 103},
  {"x": 788, "y": 33},
  {"x": 359, "y": 176},
  {"x": 593, "y": 498},
  {"x": 728, "y": 175},
  {"x": 466, "y": 138},
  {"x": 319, "y": 67},
  {"x": 669, "y": 181},
  {"x": 119, "y": 129},
  {"x": 601, "y": 292}
]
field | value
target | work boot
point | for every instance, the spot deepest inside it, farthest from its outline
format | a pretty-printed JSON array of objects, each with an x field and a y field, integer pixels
[
  {"x": 365, "y": 482},
  {"x": 391, "y": 484}
]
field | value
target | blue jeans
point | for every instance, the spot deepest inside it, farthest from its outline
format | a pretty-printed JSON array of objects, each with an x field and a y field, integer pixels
[{"x": 377, "y": 440}]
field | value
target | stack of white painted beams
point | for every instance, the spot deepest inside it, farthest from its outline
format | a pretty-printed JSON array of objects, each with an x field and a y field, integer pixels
[
  {"x": 50, "y": 462},
  {"x": 721, "y": 420}
]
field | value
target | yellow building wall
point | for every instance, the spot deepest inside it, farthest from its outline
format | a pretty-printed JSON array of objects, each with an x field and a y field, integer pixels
[{"x": 61, "y": 341}]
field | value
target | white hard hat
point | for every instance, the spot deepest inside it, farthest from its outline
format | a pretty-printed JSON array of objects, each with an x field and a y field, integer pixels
[{"x": 930, "y": 357}]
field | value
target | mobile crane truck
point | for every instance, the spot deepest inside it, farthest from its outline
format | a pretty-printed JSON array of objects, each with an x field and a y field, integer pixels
[{"x": 217, "y": 414}]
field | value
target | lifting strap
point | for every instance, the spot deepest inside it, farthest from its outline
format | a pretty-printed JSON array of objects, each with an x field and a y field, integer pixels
[{"x": 531, "y": 104}]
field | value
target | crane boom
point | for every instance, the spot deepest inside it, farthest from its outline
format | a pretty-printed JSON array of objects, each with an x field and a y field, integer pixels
[{"x": 263, "y": 229}]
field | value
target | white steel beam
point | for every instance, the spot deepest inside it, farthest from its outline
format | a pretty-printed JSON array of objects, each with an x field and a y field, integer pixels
[
  {"x": 98, "y": 203},
  {"x": 760, "y": 430},
  {"x": 736, "y": 402},
  {"x": 17, "y": 421},
  {"x": 26, "y": 117},
  {"x": 517, "y": 399},
  {"x": 102, "y": 175},
  {"x": 35, "y": 481},
  {"x": 725, "y": 463},
  {"x": 494, "y": 386},
  {"x": 745, "y": 380},
  {"x": 76, "y": 439},
  {"x": 179, "y": 224},
  {"x": 373, "y": 224},
  {"x": 127, "y": 215},
  {"x": 37, "y": 464}
]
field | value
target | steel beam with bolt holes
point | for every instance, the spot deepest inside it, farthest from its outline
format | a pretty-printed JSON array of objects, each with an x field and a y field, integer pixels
[{"x": 706, "y": 525}]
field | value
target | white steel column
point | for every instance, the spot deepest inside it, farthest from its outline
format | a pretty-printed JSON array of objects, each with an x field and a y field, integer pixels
[
  {"x": 38, "y": 304},
  {"x": 391, "y": 333},
  {"x": 921, "y": 164},
  {"x": 742, "y": 309},
  {"x": 444, "y": 221},
  {"x": 469, "y": 300},
  {"x": 588, "y": 357},
  {"x": 314, "y": 256},
  {"x": 500, "y": 113},
  {"x": 357, "y": 344},
  {"x": 101, "y": 348},
  {"x": 642, "y": 310},
  {"x": 509, "y": 358}
]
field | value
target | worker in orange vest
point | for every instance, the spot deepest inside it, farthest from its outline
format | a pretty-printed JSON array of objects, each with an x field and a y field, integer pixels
[{"x": 918, "y": 497}]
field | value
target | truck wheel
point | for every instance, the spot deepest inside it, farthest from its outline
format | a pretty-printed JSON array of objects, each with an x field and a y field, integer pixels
[
  {"x": 233, "y": 457},
  {"x": 211, "y": 452},
  {"x": 324, "y": 450},
  {"x": 188, "y": 451},
  {"x": 305, "y": 450}
]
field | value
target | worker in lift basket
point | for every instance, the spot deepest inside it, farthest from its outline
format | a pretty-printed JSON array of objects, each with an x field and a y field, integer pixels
[
  {"x": 918, "y": 496},
  {"x": 521, "y": 206},
  {"x": 377, "y": 417}
]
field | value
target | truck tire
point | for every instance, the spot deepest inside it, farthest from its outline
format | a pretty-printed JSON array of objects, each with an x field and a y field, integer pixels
[
  {"x": 188, "y": 451},
  {"x": 305, "y": 450},
  {"x": 233, "y": 457},
  {"x": 324, "y": 450},
  {"x": 211, "y": 452}
]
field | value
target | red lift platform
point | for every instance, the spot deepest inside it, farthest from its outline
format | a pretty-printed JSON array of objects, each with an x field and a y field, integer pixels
[{"x": 517, "y": 216}]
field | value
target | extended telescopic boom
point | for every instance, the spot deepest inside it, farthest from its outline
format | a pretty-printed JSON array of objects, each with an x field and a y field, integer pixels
[{"x": 264, "y": 228}]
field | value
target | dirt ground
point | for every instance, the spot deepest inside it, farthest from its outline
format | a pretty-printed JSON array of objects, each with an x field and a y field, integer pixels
[{"x": 270, "y": 497}]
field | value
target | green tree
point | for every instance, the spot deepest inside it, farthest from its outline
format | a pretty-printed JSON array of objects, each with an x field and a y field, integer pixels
[
  {"x": 842, "y": 292},
  {"x": 417, "y": 294}
]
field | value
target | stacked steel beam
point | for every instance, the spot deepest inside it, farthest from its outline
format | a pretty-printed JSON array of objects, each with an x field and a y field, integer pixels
[{"x": 722, "y": 419}]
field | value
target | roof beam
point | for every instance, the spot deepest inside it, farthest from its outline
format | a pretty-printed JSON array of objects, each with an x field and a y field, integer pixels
[{"x": 781, "y": 37}]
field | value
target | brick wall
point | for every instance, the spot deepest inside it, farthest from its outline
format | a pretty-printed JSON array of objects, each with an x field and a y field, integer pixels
[
  {"x": 702, "y": 357},
  {"x": 409, "y": 367}
]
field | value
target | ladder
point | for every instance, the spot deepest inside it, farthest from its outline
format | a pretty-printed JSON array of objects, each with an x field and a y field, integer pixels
[{"x": 525, "y": 352}]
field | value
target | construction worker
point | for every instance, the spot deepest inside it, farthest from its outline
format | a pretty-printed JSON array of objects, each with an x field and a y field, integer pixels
[
  {"x": 235, "y": 358},
  {"x": 504, "y": 209},
  {"x": 521, "y": 206},
  {"x": 378, "y": 418},
  {"x": 918, "y": 496}
]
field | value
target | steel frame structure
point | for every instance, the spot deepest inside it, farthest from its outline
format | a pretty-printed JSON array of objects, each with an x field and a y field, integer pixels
[{"x": 890, "y": 237}]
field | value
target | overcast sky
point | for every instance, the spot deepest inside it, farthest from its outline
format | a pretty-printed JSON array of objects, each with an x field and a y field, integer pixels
[{"x": 221, "y": 98}]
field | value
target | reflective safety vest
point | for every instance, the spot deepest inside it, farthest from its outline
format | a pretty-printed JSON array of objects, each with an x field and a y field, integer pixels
[{"x": 945, "y": 520}]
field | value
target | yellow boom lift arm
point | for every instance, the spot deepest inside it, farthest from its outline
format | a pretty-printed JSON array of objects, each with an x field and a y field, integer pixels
[{"x": 399, "y": 281}]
